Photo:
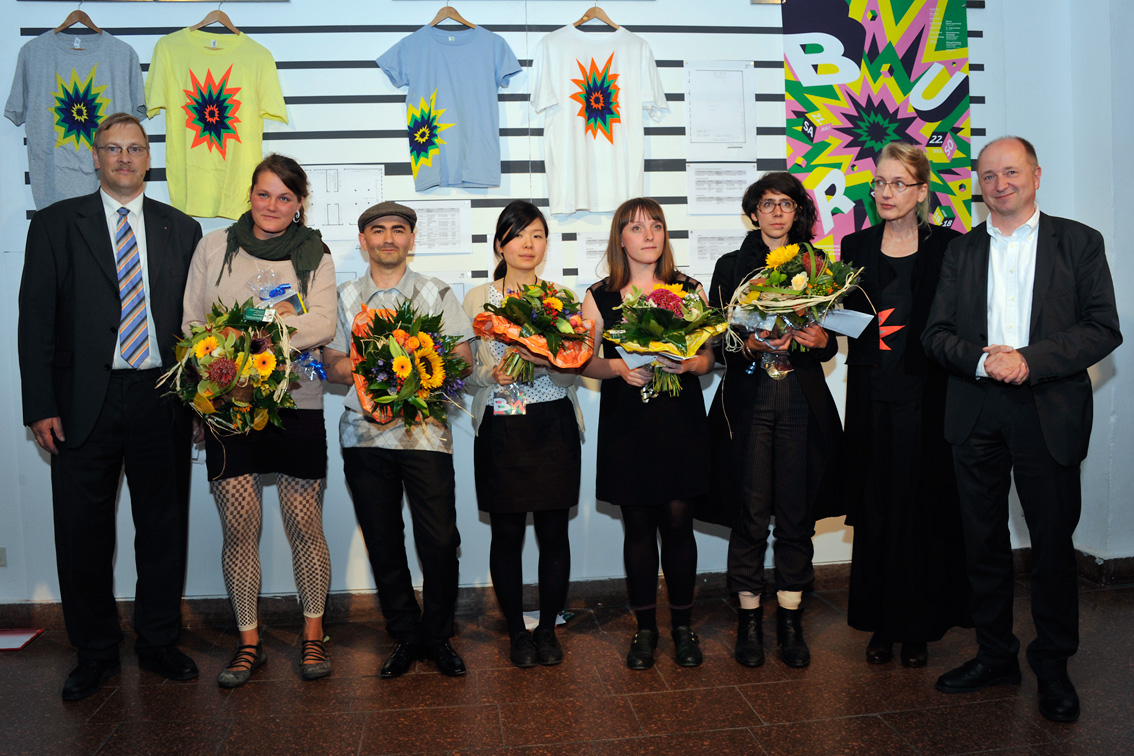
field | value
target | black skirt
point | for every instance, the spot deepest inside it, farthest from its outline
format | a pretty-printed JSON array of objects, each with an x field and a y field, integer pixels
[
  {"x": 528, "y": 463},
  {"x": 299, "y": 449}
]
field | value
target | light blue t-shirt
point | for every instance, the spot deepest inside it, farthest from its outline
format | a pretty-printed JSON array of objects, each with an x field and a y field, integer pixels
[{"x": 452, "y": 114}]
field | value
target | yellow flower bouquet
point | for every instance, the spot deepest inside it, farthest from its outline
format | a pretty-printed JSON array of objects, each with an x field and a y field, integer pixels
[
  {"x": 234, "y": 370},
  {"x": 404, "y": 365},
  {"x": 667, "y": 321}
]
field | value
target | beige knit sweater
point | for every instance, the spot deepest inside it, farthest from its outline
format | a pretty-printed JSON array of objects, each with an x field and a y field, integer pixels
[{"x": 313, "y": 329}]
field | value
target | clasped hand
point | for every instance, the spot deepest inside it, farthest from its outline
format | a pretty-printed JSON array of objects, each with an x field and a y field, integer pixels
[{"x": 1005, "y": 364}]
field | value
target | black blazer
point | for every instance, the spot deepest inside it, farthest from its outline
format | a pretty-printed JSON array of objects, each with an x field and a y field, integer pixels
[
  {"x": 1074, "y": 324},
  {"x": 69, "y": 305}
]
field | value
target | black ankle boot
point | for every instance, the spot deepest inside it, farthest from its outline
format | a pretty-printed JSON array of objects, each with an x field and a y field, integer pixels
[
  {"x": 750, "y": 637},
  {"x": 789, "y": 634}
]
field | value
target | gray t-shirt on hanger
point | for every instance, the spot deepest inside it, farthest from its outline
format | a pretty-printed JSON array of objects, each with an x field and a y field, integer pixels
[{"x": 65, "y": 84}]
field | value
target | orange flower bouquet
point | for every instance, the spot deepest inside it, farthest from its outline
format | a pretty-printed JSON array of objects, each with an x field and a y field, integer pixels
[
  {"x": 403, "y": 365},
  {"x": 544, "y": 319}
]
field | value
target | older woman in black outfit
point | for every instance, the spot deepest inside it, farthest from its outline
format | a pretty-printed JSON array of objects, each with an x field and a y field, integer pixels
[
  {"x": 907, "y": 573},
  {"x": 773, "y": 433}
]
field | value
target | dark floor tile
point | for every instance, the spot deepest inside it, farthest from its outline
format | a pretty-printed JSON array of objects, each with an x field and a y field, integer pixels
[
  {"x": 415, "y": 691},
  {"x": 690, "y": 710},
  {"x": 416, "y": 730},
  {"x": 19, "y": 737},
  {"x": 176, "y": 702},
  {"x": 558, "y": 749},
  {"x": 294, "y": 733},
  {"x": 896, "y": 690},
  {"x": 714, "y": 743},
  {"x": 966, "y": 728},
  {"x": 576, "y": 719},
  {"x": 265, "y": 698},
  {"x": 1118, "y": 600},
  {"x": 719, "y": 669},
  {"x": 620, "y": 679},
  {"x": 166, "y": 739},
  {"x": 44, "y": 707},
  {"x": 854, "y": 736},
  {"x": 566, "y": 680}
]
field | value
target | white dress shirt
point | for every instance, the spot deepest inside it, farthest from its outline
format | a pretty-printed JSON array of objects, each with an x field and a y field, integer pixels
[
  {"x": 138, "y": 224},
  {"x": 1011, "y": 278}
]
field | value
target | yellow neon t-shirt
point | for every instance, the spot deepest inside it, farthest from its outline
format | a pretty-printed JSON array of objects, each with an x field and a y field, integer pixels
[{"x": 216, "y": 90}]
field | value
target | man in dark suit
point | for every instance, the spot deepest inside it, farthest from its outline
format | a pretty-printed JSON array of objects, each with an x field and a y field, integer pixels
[
  {"x": 100, "y": 304},
  {"x": 1024, "y": 306}
]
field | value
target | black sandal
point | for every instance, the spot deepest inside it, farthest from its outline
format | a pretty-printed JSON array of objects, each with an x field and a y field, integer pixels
[
  {"x": 236, "y": 674},
  {"x": 314, "y": 661}
]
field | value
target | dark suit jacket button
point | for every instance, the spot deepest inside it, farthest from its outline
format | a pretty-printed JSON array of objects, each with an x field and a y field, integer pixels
[{"x": 106, "y": 367}]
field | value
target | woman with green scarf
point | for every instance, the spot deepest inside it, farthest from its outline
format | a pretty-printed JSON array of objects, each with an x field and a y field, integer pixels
[{"x": 271, "y": 243}]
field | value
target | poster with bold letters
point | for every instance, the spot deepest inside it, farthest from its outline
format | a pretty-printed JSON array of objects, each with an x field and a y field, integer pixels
[{"x": 862, "y": 73}]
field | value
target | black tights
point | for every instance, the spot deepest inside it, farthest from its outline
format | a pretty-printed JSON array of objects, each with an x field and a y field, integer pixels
[
  {"x": 506, "y": 565},
  {"x": 673, "y": 520}
]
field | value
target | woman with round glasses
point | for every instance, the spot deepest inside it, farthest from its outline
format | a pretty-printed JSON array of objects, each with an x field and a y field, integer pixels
[
  {"x": 908, "y": 579},
  {"x": 773, "y": 432}
]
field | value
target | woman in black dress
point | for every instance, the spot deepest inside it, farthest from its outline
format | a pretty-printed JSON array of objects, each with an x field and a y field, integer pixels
[
  {"x": 773, "y": 434},
  {"x": 513, "y": 452},
  {"x": 908, "y": 579},
  {"x": 653, "y": 456}
]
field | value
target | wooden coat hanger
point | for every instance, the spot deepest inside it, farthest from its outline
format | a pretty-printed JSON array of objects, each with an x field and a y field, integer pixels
[
  {"x": 450, "y": 12},
  {"x": 596, "y": 12},
  {"x": 77, "y": 17},
  {"x": 214, "y": 17}
]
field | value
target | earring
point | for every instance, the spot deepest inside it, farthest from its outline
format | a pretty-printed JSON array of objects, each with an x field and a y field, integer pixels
[{"x": 296, "y": 219}]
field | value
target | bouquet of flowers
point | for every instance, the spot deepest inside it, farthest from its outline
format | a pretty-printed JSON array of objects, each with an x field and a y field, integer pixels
[
  {"x": 403, "y": 365},
  {"x": 235, "y": 369},
  {"x": 546, "y": 320},
  {"x": 797, "y": 287},
  {"x": 667, "y": 321}
]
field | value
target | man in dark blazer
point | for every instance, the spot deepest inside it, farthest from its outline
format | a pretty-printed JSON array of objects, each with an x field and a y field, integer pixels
[
  {"x": 100, "y": 307},
  {"x": 1024, "y": 306}
]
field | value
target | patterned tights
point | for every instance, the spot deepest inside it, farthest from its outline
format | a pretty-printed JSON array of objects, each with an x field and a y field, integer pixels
[{"x": 239, "y": 501}]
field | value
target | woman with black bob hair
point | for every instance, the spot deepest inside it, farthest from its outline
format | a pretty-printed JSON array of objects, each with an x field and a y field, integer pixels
[
  {"x": 773, "y": 432},
  {"x": 525, "y": 462}
]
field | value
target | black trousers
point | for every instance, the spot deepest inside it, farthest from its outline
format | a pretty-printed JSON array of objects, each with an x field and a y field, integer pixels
[
  {"x": 149, "y": 436},
  {"x": 377, "y": 479},
  {"x": 1007, "y": 440},
  {"x": 774, "y": 482}
]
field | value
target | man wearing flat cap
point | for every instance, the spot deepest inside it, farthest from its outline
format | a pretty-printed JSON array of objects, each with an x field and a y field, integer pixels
[{"x": 384, "y": 460}]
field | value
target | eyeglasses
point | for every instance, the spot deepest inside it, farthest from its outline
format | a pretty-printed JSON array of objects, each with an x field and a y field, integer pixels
[
  {"x": 769, "y": 206},
  {"x": 898, "y": 186},
  {"x": 114, "y": 150}
]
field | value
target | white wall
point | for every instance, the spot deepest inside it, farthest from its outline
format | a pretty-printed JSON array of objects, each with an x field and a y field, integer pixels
[{"x": 1017, "y": 100}]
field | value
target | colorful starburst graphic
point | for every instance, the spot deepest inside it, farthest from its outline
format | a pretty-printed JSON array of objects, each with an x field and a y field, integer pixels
[
  {"x": 211, "y": 111},
  {"x": 78, "y": 109},
  {"x": 874, "y": 125},
  {"x": 598, "y": 95},
  {"x": 423, "y": 129}
]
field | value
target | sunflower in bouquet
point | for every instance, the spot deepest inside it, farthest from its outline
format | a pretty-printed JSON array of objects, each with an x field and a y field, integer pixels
[
  {"x": 544, "y": 319},
  {"x": 797, "y": 287},
  {"x": 234, "y": 370},
  {"x": 668, "y": 321},
  {"x": 403, "y": 365}
]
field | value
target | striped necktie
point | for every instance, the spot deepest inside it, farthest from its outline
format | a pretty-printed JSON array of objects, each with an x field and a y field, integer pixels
[{"x": 133, "y": 334}]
